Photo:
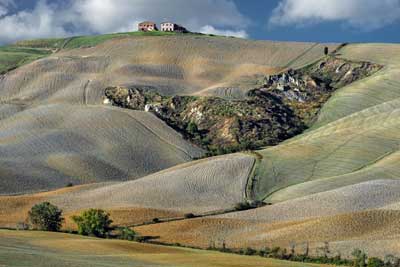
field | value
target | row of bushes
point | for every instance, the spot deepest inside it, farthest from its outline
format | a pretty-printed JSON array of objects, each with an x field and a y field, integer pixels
[
  {"x": 360, "y": 258},
  {"x": 96, "y": 222}
]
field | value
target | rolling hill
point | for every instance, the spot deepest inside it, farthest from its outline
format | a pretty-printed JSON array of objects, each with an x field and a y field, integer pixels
[
  {"x": 324, "y": 183},
  {"x": 48, "y": 146},
  {"x": 52, "y": 109},
  {"x": 338, "y": 182}
]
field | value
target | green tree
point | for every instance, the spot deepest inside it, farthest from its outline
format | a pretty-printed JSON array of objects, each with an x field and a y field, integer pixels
[
  {"x": 93, "y": 222},
  {"x": 192, "y": 128},
  {"x": 326, "y": 50},
  {"x": 360, "y": 258},
  {"x": 126, "y": 233},
  {"x": 46, "y": 217},
  {"x": 375, "y": 262},
  {"x": 392, "y": 261}
]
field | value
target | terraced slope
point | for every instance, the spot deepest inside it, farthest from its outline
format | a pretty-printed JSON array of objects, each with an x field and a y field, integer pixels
[
  {"x": 48, "y": 146},
  {"x": 355, "y": 139}
]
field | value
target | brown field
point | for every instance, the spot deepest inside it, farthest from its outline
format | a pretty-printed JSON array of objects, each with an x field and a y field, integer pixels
[
  {"x": 50, "y": 249},
  {"x": 351, "y": 215},
  {"x": 49, "y": 146},
  {"x": 343, "y": 232},
  {"x": 194, "y": 187},
  {"x": 54, "y": 128},
  {"x": 14, "y": 209}
]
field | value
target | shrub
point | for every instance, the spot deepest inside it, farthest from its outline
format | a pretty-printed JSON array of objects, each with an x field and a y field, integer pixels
[
  {"x": 46, "y": 217},
  {"x": 248, "y": 205},
  {"x": 275, "y": 252},
  {"x": 141, "y": 239},
  {"x": 242, "y": 206},
  {"x": 326, "y": 50},
  {"x": 392, "y": 261},
  {"x": 126, "y": 233},
  {"x": 192, "y": 128},
  {"x": 189, "y": 216},
  {"x": 250, "y": 251},
  {"x": 375, "y": 262},
  {"x": 93, "y": 222},
  {"x": 360, "y": 258},
  {"x": 22, "y": 226},
  {"x": 264, "y": 252}
]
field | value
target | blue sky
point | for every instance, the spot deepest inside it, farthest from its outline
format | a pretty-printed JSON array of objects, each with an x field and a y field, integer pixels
[
  {"x": 288, "y": 20},
  {"x": 326, "y": 28}
]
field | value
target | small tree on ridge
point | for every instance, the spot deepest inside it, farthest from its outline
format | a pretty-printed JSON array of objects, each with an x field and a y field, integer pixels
[
  {"x": 93, "y": 222},
  {"x": 46, "y": 217}
]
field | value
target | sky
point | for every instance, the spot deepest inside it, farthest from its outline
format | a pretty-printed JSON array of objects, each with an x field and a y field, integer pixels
[{"x": 281, "y": 20}]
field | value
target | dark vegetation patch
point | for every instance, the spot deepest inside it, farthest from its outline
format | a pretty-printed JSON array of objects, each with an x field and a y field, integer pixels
[
  {"x": 283, "y": 107},
  {"x": 216, "y": 124},
  {"x": 307, "y": 89}
]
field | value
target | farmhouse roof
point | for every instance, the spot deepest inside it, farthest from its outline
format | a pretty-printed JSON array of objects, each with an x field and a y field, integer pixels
[{"x": 147, "y": 22}]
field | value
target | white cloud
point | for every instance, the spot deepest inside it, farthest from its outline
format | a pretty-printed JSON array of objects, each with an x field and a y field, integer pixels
[
  {"x": 70, "y": 17},
  {"x": 42, "y": 21},
  {"x": 114, "y": 15},
  {"x": 211, "y": 30},
  {"x": 363, "y": 14}
]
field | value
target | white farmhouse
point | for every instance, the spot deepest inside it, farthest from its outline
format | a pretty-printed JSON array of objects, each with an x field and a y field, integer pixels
[{"x": 172, "y": 27}]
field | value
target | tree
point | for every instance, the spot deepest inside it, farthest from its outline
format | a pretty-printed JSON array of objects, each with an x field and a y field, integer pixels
[
  {"x": 360, "y": 258},
  {"x": 292, "y": 249},
  {"x": 93, "y": 222},
  {"x": 189, "y": 216},
  {"x": 392, "y": 261},
  {"x": 126, "y": 233},
  {"x": 249, "y": 251},
  {"x": 46, "y": 217},
  {"x": 192, "y": 128},
  {"x": 307, "y": 250},
  {"x": 326, "y": 50},
  {"x": 325, "y": 249},
  {"x": 375, "y": 262}
]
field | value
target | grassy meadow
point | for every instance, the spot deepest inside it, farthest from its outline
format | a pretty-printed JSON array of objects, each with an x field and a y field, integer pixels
[{"x": 14, "y": 57}]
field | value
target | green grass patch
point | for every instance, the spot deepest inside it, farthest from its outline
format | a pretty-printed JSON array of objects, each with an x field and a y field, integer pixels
[
  {"x": 13, "y": 57},
  {"x": 90, "y": 41},
  {"x": 52, "y": 43}
]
